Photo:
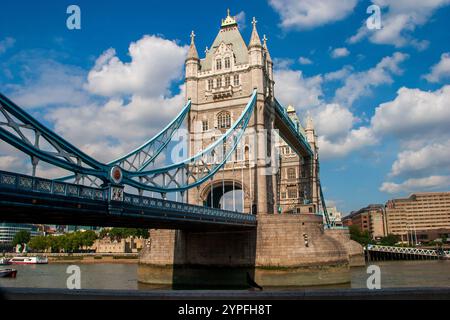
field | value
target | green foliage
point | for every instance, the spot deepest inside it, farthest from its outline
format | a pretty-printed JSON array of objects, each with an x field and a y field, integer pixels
[
  {"x": 122, "y": 233},
  {"x": 39, "y": 243},
  {"x": 389, "y": 240},
  {"x": 21, "y": 238},
  {"x": 70, "y": 242},
  {"x": 363, "y": 238}
]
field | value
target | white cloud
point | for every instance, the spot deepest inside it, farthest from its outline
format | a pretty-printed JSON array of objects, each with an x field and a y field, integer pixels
[
  {"x": 109, "y": 130},
  {"x": 303, "y": 92},
  {"x": 401, "y": 20},
  {"x": 414, "y": 113},
  {"x": 241, "y": 20},
  {"x": 304, "y": 60},
  {"x": 306, "y": 14},
  {"x": 155, "y": 64},
  {"x": 419, "y": 120},
  {"x": 414, "y": 185},
  {"x": 6, "y": 44},
  {"x": 431, "y": 158},
  {"x": 47, "y": 83},
  {"x": 355, "y": 139},
  {"x": 360, "y": 84},
  {"x": 339, "y": 74},
  {"x": 339, "y": 53},
  {"x": 441, "y": 70},
  {"x": 333, "y": 121}
]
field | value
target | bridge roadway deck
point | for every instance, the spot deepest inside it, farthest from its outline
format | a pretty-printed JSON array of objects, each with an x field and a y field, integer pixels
[{"x": 25, "y": 199}]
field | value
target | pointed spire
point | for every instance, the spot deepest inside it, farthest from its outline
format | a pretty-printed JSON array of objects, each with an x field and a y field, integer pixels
[
  {"x": 255, "y": 40},
  {"x": 192, "y": 53},
  {"x": 309, "y": 122},
  {"x": 229, "y": 20},
  {"x": 269, "y": 58}
]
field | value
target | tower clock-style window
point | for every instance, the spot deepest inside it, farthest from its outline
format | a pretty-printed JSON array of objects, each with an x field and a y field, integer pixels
[
  {"x": 224, "y": 120},
  {"x": 236, "y": 79},
  {"x": 227, "y": 81},
  {"x": 227, "y": 63},
  {"x": 219, "y": 64}
]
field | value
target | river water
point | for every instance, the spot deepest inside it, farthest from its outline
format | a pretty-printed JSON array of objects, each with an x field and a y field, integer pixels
[{"x": 394, "y": 274}]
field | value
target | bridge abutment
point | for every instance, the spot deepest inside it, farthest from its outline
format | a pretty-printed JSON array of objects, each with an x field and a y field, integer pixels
[{"x": 284, "y": 250}]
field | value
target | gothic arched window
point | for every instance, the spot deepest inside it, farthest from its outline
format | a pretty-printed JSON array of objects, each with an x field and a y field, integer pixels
[{"x": 224, "y": 120}]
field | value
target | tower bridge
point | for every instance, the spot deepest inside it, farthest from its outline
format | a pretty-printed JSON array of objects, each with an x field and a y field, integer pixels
[{"x": 233, "y": 212}]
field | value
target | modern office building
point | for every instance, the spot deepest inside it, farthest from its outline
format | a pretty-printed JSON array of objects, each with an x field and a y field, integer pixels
[
  {"x": 422, "y": 217},
  {"x": 9, "y": 230}
]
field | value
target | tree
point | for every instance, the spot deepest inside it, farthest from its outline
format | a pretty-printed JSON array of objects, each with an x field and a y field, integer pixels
[
  {"x": 88, "y": 238},
  {"x": 21, "y": 238},
  {"x": 363, "y": 238},
  {"x": 389, "y": 240},
  {"x": 39, "y": 243}
]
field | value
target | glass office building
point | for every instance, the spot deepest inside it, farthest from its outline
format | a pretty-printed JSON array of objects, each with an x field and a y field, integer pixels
[{"x": 9, "y": 230}]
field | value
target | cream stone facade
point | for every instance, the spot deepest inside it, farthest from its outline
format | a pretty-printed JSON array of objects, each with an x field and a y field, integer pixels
[
  {"x": 128, "y": 245},
  {"x": 219, "y": 86}
]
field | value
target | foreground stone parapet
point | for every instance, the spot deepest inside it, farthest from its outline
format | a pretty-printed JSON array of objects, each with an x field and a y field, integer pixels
[{"x": 284, "y": 250}]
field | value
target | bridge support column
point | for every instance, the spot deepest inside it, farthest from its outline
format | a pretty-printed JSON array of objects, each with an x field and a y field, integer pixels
[{"x": 284, "y": 250}]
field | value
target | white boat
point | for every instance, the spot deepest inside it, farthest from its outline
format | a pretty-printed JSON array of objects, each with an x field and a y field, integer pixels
[
  {"x": 4, "y": 262},
  {"x": 29, "y": 260}
]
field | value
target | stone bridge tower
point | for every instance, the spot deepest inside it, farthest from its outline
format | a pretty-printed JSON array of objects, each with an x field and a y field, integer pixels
[
  {"x": 284, "y": 249},
  {"x": 219, "y": 86}
]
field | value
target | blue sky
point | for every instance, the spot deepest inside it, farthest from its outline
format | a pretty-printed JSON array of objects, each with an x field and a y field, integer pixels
[{"x": 379, "y": 98}]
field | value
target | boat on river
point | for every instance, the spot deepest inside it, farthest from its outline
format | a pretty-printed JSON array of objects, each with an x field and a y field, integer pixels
[
  {"x": 4, "y": 262},
  {"x": 29, "y": 260},
  {"x": 8, "y": 273}
]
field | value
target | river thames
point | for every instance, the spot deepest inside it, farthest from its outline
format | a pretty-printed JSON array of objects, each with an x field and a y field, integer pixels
[{"x": 394, "y": 274}]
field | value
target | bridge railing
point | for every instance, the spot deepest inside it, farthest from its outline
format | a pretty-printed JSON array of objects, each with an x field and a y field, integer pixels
[
  {"x": 20, "y": 182},
  {"x": 27, "y": 183},
  {"x": 286, "y": 119},
  {"x": 173, "y": 206},
  {"x": 408, "y": 250}
]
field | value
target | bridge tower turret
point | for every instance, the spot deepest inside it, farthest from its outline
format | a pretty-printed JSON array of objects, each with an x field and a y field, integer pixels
[
  {"x": 312, "y": 140},
  {"x": 192, "y": 69}
]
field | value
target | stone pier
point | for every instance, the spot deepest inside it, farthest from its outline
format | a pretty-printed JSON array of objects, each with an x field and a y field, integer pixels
[{"x": 284, "y": 250}]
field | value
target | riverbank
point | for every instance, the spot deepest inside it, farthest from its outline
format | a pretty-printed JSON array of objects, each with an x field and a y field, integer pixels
[
  {"x": 93, "y": 260},
  {"x": 85, "y": 258}
]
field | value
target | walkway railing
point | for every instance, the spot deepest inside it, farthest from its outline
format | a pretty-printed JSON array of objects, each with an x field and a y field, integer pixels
[{"x": 408, "y": 250}]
